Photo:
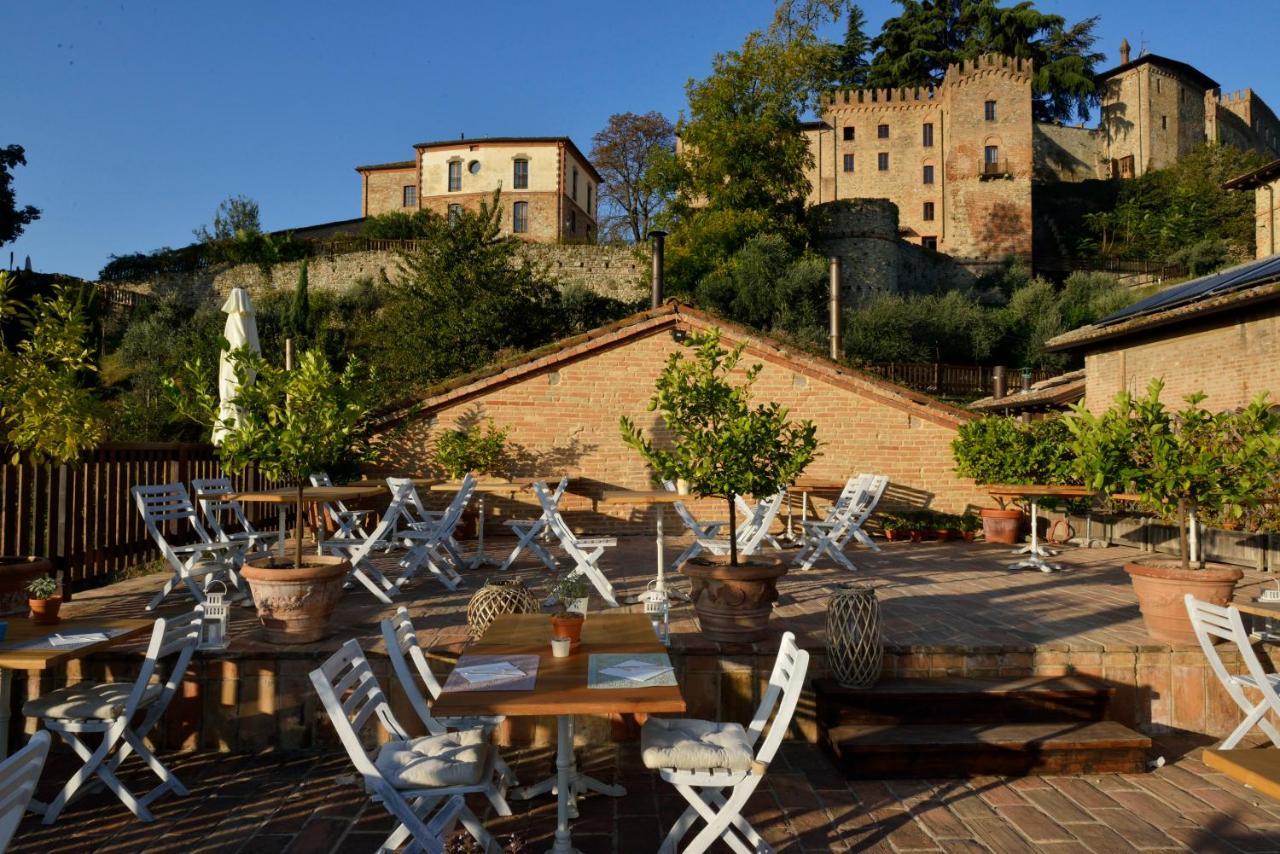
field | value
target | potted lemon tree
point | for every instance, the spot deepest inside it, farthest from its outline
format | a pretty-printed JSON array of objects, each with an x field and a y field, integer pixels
[
  {"x": 289, "y": 424},
  {"x": 1178, "y": 464},
  {"x": 47, "y": 415},
  {"x": 724, "y": 446}
]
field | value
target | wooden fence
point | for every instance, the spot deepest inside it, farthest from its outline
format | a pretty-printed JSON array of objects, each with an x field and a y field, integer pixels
[
  {"x": 950, "y": 380},
  {"x": 84, "y": 518}
]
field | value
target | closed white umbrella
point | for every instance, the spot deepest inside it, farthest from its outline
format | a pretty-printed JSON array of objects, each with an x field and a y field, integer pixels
[{"x": 241, "y": 331}]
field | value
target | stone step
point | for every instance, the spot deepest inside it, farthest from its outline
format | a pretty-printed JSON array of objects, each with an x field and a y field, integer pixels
[
  {"x": 962, "y": 700},
  {"x": 968, "y": 750}
]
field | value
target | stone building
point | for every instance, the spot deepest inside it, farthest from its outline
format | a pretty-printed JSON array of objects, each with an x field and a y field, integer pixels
[
  {"x": 549, "y": 188},
  {"x": 1265, "y": 183},
  {"x": 956, "y": 160}
]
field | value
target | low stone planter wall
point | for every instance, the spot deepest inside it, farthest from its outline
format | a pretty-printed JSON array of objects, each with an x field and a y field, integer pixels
[{"x": 1257, "y": 551}]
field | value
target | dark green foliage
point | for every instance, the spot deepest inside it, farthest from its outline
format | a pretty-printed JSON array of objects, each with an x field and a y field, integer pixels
[
  {"x": 915, "y": 47},
  {"x": 236, "y": 216},
  {"x": 582, "y": 309},
  {"x": 766, "y": 284},
  {"x": 1000, "y": 449},
  {"x": 397, "y": 225},
  {"x": 1170, "y": 213},
  {"x": 298, "y": 320},
  {"x": 853, "y": 63},
  {"x": 13, "y": 219}
]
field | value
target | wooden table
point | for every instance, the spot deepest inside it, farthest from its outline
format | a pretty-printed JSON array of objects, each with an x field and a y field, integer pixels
[
  {"x": 288, "y": 495},
  {"x": 483, "y": 488},
  {"x": 1269, "y": 611},
  {"x": 561, "y": 690},
  {"x": 22, "y": 630},
  {"x": 651, "y": 498},
  {"x": 805, "y": 488}
]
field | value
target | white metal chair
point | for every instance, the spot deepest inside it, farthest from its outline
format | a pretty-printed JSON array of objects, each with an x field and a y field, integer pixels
[
  {"x": 528, "y": 530},
  {"x": 109, "y": 708},
  {"x": 411, "y": 777},
  {"x": 358, "y": 550},
  {"x": 1213, "y": 621},
  {"x": 706, "y": 537},
  {"x": 18, "y": 777},
  {"x": 402, "y": 647},
  {"x": 704, "y": 758},
  {"x": 210, "y": 492},
  {"x": 430, "y": 538},
  {"x": 585, "y": 552},
  {"x": 832, "y": 535},
  {"x": 348, "y": 524},
  {"x": 166, "y": 503}
]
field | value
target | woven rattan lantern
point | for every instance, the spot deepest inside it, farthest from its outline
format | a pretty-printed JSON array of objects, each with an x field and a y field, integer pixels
[
  {"x": 508, "y": 596},
  {"x": 854, "y": 650}
]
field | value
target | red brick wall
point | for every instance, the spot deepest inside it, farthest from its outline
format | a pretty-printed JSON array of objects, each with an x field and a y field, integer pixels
[{"x": 565, "y": 419}]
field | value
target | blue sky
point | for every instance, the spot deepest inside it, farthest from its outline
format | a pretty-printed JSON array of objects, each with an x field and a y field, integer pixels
[{"x": 138, "y": 118}]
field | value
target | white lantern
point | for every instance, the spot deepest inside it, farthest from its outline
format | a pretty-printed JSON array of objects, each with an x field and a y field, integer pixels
[
  {"x": 658, "y": 609},
  {"x": 213, "y": 628}
]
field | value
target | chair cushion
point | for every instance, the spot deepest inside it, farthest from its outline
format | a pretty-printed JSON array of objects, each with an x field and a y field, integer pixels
[
  {"x": 690, "y": 744},
  {"x": 452, "y": 759},
  {"x": 87, "y": 701}
]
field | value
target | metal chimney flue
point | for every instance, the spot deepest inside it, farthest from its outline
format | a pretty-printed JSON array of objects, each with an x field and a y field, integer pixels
[
  {"x": 998, "y": 386},
  {"x": 659, "y": 240},
  {"x": 833, "y": 310}
]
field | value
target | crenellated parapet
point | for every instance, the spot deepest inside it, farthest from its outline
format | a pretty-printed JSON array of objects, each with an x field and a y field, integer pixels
[{"x": 984, "y": 68}]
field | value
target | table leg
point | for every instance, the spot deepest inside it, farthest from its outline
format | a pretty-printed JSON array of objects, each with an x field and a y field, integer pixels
[
  {"x": 479, "y": 559},
  {"x": 1035, "y": 561},
  {"x": 564, "y": 788},
  {"x": 284, "y": 533},
  {"x": 6, "y": 690}
]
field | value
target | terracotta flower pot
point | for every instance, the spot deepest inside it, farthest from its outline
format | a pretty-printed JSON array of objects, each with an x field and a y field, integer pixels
[
  {"x": 44, "y": 612},
  {"x": 295, "y": 605},
  {"x": 942, "y": 536},
  {"x": 1160, "y": 587},
  {"x": 15, "y": 574},
  {"x": 894, "y": 535},
  {"x": 917, "y": 536},
  {"x": 1001, "y": 526},
  {"x": 969, "y": 536},
  {"x": 568, "y": 626},
  {"x": 733, "y": 603}
]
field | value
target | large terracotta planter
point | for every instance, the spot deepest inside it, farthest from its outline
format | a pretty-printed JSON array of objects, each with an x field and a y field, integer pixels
[
  {"x": 1160, "y": 587},
  {"x": 1001, "y": 526},
  {"x": 733, "y": 603},
  {"x": 15, "y": 574},
  {"x": 295, "y": 605}
]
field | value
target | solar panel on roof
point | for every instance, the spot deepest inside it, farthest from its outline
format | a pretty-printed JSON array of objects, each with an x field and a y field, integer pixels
[{"x": 1215, "y": 284}]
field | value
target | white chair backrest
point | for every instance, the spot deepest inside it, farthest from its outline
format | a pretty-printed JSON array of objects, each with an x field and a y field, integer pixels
[
  {"x": 682, "y": 510},
  {"x": 208, "y": 493},
  {"x": 402, "y": 648},
  {"x": 551, "y": 512},
  {"x": 18, "y": 777},
  {"x": 353, "y": 699},
  {"x": 778, "y": 705},
  {"x": 760, "y": 520},
  {"x": 1214, "y": 621},
  {"x": 852, "y": 487},
  {"x": 321, "y": 478},
  {"x": 171, "y": 637},
  {"x": 163, "y": 503},
  {"x": 870, "y": 497},
  {"x": 417, "y": 510},
  {"x": 458, "y": 505}
]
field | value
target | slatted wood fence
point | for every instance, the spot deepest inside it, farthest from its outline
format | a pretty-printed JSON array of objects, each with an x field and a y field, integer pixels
[
  {"x": 83, "y": 516},
  {"x": 938, "y": 378}
]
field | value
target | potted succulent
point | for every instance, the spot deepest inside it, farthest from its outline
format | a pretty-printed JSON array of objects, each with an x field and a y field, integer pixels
[
  {"x": 43, "y": 600},
  {"x": 570, "y": 593},
  {"x": 1179, "y": 464},
  {"x": 1000, "y": 449},
  {"x": 288, "y": 423},
  {"x": 474, "y": 446},
  {"x": 47, "y": 415},
  {"x": 968, "y": 524},
  {"x": 724, "y": 446},
  {"x": 894, "y": 527}
]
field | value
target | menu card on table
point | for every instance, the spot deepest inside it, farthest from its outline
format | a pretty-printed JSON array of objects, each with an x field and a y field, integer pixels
[
  {"x": 68, "y": 640},
  {"x": 630, "y": 670},
  {"x": 493, "y": 673}
]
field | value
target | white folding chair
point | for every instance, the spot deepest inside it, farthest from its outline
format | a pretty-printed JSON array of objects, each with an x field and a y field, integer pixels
[
  {"x": 358, "y": 550},
  {"x": 704, "y": 758},
  {"x": 109, "y": 708},
  {"x": 528, "y": 530},
  {"x": 585, "y": 552},
  {"x": 210, "y": 492},
  {"x": 751, "y": 534},
  {"x": 402, "y": 647},
  {"x": 749, "y": 512},
  {"x": 1213, "y": 621},
  {"x": 411, "y": 777},
  {"x": 18, "y": 777},
  {"x": 433, "y": 530},
  {"x": 832, "y": 535},
  {"x": 168, "y": 503},
  {"x": 348, "y": 524}
]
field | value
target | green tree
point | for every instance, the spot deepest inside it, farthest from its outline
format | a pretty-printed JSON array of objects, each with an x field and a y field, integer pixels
[
  {"x": 13, "y": 219},
  {"x": 915, "y": 47},
  {"x": 721, "y": 444},
  {"x": 854, "y": 63},
  {"x": 298, "y": 321},
  {"x": 236, "y": 216},
  {"x": 624, "y": 152}
]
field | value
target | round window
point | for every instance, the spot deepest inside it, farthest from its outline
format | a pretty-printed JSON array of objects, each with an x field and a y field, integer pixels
[{"x": 474, "y": 167}]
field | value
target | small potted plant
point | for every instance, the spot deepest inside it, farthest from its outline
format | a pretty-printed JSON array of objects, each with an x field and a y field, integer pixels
[
  {"x": 894, "y": 527},
  {"x": 724, "y": 447},
  {"x": 1180, "y": 464},
  {"x": 917, "y": 524},
  {"x": 288, "y": 423},
  {"x": 945, "y": 527},
  {"x": 968, "y": 524},
  {"x": 570, "y": 593},
  {"x": 44, "y": 601}
]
